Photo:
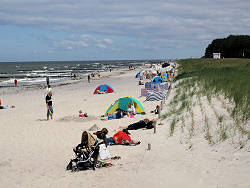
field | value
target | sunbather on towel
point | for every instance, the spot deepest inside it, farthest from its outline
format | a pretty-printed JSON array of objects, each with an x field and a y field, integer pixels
[
  {"x": 5, "y": 106},
  {"x": 145, "y": 123},
  {"x": 117, "y": 115},
  {"x": 123, "y": 138}
]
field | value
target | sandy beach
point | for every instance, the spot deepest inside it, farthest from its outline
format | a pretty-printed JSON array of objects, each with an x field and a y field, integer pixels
[{"x": 34, "y": 152}]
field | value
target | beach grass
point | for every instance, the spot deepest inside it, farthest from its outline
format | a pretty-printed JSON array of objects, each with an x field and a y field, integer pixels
[
  {"x": 229, "y": 77},
  {"x": 207, "y": 80}
]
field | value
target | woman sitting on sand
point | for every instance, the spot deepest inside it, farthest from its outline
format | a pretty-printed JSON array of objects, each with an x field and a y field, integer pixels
[
  {"x": 130, "y": 110},
  {"x": 102, "y": 135},
  {"x": 156, "y": 110},
  {"x": 145, "y": 123},
  {"x": 123, "y": 138}
]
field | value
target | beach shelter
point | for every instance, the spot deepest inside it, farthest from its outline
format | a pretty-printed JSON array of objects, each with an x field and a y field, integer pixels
[
  {"x": 138, "y": 75},
  {"x": 155, "y": 95},
  {"x": 165, "y": 77},
  {"x": 147, "y": 85},
  {"x": 157, "y": 80},
  {"x": 122, "y": 103},
  {"x": 104, "y": 88}
]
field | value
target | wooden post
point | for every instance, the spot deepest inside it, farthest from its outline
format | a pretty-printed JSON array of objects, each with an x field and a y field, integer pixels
[
  {"x": 159, "y": 113},
  {"x": 161, "y": 104}
]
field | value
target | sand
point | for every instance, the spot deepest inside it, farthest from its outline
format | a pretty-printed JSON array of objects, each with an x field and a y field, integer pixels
[{"x": 34, "y": 152}]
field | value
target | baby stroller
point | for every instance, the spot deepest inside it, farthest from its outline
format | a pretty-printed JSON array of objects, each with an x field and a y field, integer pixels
[{"x": 86, "y": 154}]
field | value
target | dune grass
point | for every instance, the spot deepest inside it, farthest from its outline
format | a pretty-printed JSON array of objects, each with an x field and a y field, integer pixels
[{"x": 229, "y": 77}]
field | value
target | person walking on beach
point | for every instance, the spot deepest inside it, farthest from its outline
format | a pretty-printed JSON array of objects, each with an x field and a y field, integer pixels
[
  {"x": 88, "y": 78},
  {"x": 15, "y": 82},
  {"x": 49, "y": 105},
  {"x": 47, "y": 80}
]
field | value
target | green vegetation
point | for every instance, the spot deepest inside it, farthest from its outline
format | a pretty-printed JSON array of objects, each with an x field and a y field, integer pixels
[
  {"x": 234, "y": 46},
  {"x": 172, "y": 125},
  {"x": 229, "y": 77},
  {"x": 202, "y": 80}
]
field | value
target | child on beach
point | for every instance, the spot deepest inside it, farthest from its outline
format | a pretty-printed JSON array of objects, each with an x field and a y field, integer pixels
[
  {"x": 81, "y": 114},
  {"x": 49, "y": 105}
]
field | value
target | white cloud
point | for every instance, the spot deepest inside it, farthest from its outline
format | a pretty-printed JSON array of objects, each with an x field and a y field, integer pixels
[
  {"x": 78, "y": 41},
  {"x": 101, "y": 45},
  {"x": 109, "y": 41},
  {"x": 180, "y": 23}
]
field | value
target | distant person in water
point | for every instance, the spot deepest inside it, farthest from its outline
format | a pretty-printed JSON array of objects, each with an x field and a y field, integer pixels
[
  {"x": 49, "y": 105},
  {"x": 47, "y": 80},
  {"x": 110, "y": 70},
  {"x": 15, "y": 82}
]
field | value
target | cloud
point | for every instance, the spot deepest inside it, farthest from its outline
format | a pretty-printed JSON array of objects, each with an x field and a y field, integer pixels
[
  {"x": 78, "y": 42},
  {"x": 170, "y": 23}
]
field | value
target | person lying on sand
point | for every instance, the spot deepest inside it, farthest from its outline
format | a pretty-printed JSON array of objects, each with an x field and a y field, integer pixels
[
  {"x": 122, "y": 138},
  {"x": 100, "y": 92},
  {"x": 145, "y": 123},
  {"x": 117, "y": 115},
  {"x": 5, "y": 106}
]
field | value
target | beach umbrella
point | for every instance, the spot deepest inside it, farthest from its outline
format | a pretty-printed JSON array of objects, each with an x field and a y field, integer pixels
[
  {"x": 157, "y": 80},
  {"x": 122, "y": 103},
  {"x": 104, "y": 88}
]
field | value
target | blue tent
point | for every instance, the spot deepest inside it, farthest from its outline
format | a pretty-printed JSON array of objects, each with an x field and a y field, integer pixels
[
  {"x": 157, "y": 80},
  {"x": 147, "y": 85},
  {"x": 138, "y": 75}
]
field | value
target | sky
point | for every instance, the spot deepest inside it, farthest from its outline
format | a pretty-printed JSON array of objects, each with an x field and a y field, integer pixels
[{"x": 72, "y": 30}]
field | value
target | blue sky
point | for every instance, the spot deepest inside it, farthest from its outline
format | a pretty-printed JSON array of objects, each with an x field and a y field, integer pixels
[{"x": 41, "y": 30}]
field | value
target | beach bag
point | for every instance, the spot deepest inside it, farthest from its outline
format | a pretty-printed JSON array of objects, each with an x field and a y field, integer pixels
[{"x": 104, "y": 152}]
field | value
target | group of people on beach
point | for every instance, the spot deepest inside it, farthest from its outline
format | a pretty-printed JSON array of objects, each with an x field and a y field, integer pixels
[
  {"x": 122, "y": 137},
  {"x": 130, "y": 112}
]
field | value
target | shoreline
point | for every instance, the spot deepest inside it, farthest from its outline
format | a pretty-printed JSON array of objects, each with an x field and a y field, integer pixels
[{"x": 22, "y": 88}]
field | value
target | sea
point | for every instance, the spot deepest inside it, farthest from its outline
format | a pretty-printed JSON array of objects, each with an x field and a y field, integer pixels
[{"x": 33, "y": 73}]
